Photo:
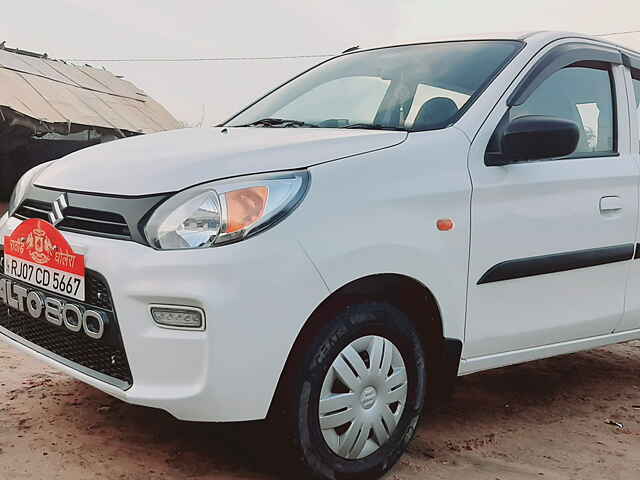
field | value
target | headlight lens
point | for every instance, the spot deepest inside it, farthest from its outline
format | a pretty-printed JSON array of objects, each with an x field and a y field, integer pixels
[{"x": 225, "y": 211}]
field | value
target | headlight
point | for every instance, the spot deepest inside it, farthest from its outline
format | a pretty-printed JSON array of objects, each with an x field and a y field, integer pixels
[
  {"x": 224, "y": 211},
  {"x": 23, "y": 185}
]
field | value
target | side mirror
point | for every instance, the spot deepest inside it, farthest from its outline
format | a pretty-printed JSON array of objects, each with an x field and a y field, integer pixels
[{"x": 535, "y": 137}]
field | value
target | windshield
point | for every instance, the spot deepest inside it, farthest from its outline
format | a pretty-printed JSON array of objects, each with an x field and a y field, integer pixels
[{"x": 413, "y": 87}]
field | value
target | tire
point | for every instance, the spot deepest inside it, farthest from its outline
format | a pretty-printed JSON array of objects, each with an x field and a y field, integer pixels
[{"x": 374, "y": 328}]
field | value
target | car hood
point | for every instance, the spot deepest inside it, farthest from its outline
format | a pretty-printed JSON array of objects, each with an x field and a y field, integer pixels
[{"x": 174, "y": 160}]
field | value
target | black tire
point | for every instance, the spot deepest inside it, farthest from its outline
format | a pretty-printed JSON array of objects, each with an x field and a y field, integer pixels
[{"x": 353, "y": 322}]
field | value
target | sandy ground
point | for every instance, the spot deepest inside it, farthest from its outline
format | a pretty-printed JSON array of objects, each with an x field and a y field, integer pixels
[{"x": 545, "y": 419}]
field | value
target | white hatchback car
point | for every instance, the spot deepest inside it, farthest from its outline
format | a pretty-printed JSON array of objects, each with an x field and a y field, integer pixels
[{"x": 337, "y": 253}]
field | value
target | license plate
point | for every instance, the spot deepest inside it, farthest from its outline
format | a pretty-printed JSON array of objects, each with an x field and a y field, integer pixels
[{"x": 38, "y": 254}]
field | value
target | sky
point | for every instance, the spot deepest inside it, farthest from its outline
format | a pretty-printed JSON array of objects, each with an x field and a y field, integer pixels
[{"x": 209, "y": 92}]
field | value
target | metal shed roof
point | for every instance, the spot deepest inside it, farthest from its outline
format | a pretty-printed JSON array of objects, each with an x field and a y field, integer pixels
[{"x": 60, "y": 93}]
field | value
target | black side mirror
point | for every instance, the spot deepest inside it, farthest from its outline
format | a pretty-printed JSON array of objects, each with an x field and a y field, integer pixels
[{"x": 535, "y": 137}]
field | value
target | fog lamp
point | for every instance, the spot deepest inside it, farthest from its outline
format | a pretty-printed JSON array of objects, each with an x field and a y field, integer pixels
[{"x": 178, "y": 317}]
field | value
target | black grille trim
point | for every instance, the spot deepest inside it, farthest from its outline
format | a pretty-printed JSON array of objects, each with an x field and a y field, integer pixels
[
  {"x": 88, "y": 223},
  {"x": 78, "y": 220},
  {"x": 94, "y": 215},
  {"x": 97, "y": 215},
  {"x": 33, "y": 209},
  {"x": 104, "y": 359}
]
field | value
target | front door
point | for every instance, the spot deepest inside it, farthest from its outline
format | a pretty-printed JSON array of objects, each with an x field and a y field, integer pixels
[{"x": 552, "y": 240}]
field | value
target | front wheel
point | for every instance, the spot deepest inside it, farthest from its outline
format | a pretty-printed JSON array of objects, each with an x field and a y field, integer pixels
[{"x": 360, "y": 392}]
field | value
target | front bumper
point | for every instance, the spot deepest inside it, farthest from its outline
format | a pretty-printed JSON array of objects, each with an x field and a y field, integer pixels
[{"x": 256, "y": 295}]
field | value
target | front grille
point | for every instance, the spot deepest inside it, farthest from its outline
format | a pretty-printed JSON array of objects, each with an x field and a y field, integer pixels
[
  {"x": 97, "y": 291},
  {"x": 76, "y": 347},
  {"x": 34, "y": 209},
  {"x": 97, "y": 358},
  {"x": 78, "y": 220}
]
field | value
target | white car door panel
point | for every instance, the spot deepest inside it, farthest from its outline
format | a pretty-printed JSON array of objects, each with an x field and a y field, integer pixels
[
  {"x": 631, "y": 318},
  {"x": 552, "y": 240}
]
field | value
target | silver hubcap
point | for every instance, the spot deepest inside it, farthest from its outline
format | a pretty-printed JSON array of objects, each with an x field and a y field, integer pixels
[{"x": 363, "y": 397}]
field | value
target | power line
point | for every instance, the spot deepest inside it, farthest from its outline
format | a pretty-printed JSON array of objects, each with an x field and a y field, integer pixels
[
  {"x": 212, "y": 59},
  {"x": 241, "y": 59},
  {"x": 617, "y": 33}
]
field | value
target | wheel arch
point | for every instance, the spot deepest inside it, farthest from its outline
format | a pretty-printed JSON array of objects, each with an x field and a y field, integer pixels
[{"x": 408, "y": 295}]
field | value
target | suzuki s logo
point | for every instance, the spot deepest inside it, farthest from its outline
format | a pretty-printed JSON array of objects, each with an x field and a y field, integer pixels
[{"x": 59, "y": 205}]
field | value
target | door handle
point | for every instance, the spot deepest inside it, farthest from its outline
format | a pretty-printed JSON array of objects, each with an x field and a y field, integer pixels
[{"x": 610, "y": 204}]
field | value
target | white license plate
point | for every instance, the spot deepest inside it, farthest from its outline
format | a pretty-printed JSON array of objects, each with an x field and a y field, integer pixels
[{"x": 57, "y": 281}]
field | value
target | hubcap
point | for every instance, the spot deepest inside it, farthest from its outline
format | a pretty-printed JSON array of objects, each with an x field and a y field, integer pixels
[
  {"x": 363, "y": 396},
  {"x": 368, "y": 397}
]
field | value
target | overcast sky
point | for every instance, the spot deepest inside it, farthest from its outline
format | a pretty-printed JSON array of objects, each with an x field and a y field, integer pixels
[{"x": 208, "y": 28}]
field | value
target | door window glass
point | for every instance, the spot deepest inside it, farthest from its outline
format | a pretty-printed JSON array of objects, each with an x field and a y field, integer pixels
[{"x": 583, "y": 95}]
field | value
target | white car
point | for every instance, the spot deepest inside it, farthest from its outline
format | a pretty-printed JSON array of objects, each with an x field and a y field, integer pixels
[{"x": 337, "y": 253}]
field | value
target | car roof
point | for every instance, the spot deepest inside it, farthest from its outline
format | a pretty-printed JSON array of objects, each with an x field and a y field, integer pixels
[{"x": 541, "y": 37}]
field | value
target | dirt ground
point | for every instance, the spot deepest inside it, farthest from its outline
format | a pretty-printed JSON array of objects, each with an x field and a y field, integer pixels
[{"x": 546, "y": 419}]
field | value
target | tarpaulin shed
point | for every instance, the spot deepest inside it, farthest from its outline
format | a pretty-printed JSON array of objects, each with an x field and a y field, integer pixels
[
  {"x": 50, "y": 108},
  {"x": 61, "y": 94}
]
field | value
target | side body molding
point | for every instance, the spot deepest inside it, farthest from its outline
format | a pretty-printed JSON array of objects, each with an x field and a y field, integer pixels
[{"x": 557, "y": 262}]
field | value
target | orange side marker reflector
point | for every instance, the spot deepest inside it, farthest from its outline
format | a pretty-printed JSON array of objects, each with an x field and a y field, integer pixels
[{"x": 445, "y": 224}]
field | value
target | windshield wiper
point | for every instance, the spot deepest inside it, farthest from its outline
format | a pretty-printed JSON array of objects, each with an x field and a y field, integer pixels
[
  {"x": 375, "y": 126},
  {"x": 278, "y": 122}
]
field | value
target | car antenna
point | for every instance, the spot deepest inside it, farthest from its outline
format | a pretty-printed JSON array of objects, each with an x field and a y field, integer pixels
[{"x": 352, "y": 49}]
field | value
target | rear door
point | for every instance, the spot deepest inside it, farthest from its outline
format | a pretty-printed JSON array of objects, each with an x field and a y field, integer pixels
[
  {"x": 552, "y": 240},
  {"x": 631, "y": 320}
]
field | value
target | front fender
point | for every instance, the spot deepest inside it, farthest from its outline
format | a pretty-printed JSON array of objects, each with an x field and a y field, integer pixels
[{"x": 377, "y": 213}]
